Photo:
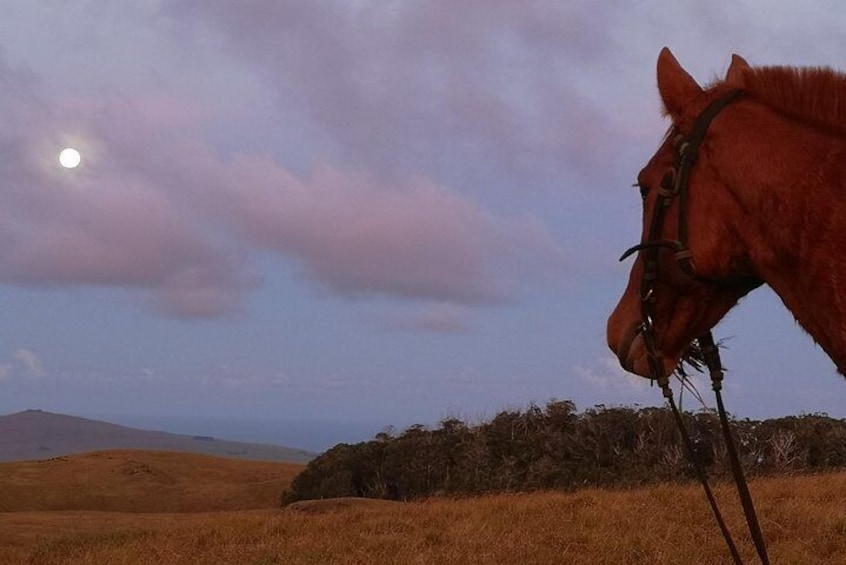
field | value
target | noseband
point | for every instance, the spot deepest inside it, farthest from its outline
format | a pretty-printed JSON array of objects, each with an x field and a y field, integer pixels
[{"x": 674, "y": 184}]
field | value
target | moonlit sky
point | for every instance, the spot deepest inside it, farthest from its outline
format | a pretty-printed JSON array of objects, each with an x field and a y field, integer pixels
[{"x": 382, "y": 211}]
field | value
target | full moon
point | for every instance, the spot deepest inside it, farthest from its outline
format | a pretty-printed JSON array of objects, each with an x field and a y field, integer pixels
[{"x": 69, "y": 158}]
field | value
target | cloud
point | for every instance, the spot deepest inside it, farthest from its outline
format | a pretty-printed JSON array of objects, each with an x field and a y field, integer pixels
[
  {"x": 155, "y": 208},
  {"x": 431, "y": 318},
  {"x": 387, "y": 119},
  {"x": 102, "y": 224},
  {"x": 407, "y": 237},
  {"x": 611, "y": 384},
  {"x": 608, "y": 377},
  {"x": 415, "y": 85},
  {"x": 29, "y": 361}
]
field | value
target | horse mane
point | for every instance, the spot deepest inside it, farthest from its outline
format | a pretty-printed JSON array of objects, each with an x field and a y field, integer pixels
[{"x": 814, "y": 95}]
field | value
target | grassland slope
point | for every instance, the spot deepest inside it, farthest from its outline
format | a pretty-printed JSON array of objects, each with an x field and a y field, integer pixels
[{"x": 143, "y": 481}]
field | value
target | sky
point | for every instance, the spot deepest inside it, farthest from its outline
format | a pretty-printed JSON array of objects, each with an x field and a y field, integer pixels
[{"x": 382, "y": 212}]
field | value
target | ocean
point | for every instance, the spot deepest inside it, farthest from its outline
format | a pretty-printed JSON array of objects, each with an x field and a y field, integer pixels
[{"x": 316, "y": 435}]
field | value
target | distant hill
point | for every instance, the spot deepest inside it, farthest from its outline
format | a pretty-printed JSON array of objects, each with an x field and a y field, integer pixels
[
  {"x": 142, "y": 481},
  {"x": 35, "y": 434}
]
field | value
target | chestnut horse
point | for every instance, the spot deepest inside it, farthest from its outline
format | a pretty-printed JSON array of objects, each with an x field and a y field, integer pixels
[{"x": 765, "y": 203}]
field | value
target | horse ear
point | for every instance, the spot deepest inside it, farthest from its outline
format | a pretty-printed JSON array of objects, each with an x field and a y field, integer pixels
[
  {"x": 676, "y": 86},
  {"x": 736, "y": 74}
]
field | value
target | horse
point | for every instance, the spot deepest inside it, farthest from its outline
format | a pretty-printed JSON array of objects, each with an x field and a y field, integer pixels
[{"x": 762, "y": 201}]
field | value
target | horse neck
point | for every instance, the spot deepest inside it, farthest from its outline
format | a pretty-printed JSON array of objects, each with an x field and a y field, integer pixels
[{"x": 789, "y": 183}]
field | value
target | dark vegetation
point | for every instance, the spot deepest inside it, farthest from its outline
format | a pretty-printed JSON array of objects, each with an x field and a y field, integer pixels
[{"x": 557, "y": 447}]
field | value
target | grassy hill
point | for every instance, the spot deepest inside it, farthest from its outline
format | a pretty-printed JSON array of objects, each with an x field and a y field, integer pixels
[
  {"x": 142, "y": 481},
  {"x": 35, "y": 434},
  {"x": 802, "y": 518}
]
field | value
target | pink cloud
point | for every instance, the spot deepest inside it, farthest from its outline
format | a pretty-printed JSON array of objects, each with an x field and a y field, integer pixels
[
  {"x": 154, "y": 208},
  {"x": 359, "y": 234},
  {"x": 412, "y": 86},
  {"x": 101, "y": 224},
  {"x": 362, "y": 235}
]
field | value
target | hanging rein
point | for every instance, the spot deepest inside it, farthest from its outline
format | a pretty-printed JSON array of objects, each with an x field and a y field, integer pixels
[{"x": 675, "y": 185}]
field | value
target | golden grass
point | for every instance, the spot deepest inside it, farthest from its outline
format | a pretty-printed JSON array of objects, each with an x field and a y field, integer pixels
[
  {"x": 804, "y": 521},
  {"x": 143, "y": 481}
]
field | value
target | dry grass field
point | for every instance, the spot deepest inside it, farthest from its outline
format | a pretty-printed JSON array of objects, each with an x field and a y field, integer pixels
[
  {"x": 804, "y": 520},
  {"x": 143, "y": 481}
]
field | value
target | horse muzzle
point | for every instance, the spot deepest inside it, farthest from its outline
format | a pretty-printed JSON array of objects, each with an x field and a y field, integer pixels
[{"x": 630, "y": 348}]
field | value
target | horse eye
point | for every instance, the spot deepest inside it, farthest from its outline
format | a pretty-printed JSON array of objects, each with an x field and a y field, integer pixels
[{"x": 644, "y": 190}]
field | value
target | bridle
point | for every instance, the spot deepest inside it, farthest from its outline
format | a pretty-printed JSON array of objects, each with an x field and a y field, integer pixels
[{"x": 674, "y": 185}]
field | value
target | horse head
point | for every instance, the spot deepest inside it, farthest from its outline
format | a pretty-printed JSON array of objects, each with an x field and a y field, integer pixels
[{"x": 691, "y": 267}]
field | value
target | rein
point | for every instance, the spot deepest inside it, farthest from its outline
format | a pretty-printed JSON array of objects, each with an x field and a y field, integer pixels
[
  {"x": 675, "y": 184},
  {"x": 711, "y": 356}
]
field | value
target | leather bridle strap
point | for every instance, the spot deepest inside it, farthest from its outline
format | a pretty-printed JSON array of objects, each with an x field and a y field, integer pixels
[
  {"x": 700, "y": 474},
  {"x": 675, "y": 184},
  {"x": 711, "y": 356},
  {"x": 687, "y": 152}
]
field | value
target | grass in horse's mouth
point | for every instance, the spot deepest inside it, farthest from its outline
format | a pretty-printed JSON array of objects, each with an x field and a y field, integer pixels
[{"x": 693, "y": 360}]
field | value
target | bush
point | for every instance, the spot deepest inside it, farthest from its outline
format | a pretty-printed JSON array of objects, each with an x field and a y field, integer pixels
[{"x": 555, "y": 447}]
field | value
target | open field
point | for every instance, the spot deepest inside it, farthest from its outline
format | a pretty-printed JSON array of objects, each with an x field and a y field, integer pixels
[
  {"x": 143, "y": 481},
  {"x": 804, "y": 520}
]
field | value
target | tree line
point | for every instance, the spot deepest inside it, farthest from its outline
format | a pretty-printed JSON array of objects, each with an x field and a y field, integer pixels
[{"x": 557, "y": 447}]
